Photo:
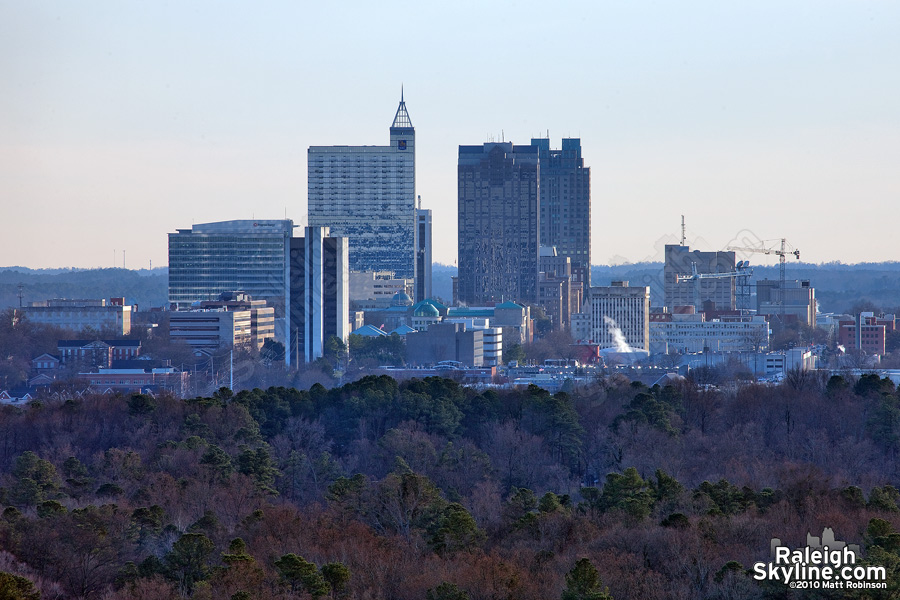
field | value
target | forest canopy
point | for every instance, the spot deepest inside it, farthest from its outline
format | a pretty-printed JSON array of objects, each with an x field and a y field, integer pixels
[{"x": 429, "y": 489}]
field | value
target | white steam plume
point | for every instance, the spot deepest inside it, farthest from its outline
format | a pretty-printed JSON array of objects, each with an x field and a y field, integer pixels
[{"x": 618, "y": 337}]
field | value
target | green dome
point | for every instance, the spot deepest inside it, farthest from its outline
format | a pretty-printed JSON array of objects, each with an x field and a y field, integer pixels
[{"x": 426, "y": 309}]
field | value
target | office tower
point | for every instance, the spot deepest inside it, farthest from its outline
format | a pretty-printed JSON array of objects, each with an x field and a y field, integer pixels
[
  {"x": 320, "y": 289},
  {"x": 499, "y": 227},
  {"x": 251, "y": 256},
  {"x": 566, "y": 204},
  {"x": 679, "y": 261},
  {"x": 619, "y": 309},
  {"x": 423, "y": 253},
  {"x": 367, "y": 194}
]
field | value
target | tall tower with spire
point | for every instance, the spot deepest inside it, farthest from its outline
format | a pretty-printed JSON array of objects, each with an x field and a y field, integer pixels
[{"x": 368, "y": 195}]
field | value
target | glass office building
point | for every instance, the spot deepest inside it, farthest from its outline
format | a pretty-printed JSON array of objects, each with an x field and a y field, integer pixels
[{"x": 228, "y": 256}]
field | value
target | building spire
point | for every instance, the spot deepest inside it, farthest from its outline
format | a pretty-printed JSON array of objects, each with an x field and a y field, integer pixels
[{"x": 401, "y": 119}]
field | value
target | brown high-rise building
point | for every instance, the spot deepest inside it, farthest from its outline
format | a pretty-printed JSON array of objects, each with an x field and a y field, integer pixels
[{"x": 499, "y": 223}]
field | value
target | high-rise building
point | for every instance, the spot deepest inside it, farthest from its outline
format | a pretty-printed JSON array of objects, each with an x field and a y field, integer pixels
[
  {"x": 320, "y": 288},
  {"x": 247, "y": 255},
  {"x": 680, "y": 260},
  {"x": 367, "y": 194},
  {"x": 499, "y": 224},
  {"x": 423, "y": 253},
  {"x": 566, "y": 204}
]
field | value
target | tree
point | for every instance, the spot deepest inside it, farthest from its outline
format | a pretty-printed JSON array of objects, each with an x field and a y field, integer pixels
[
  {"x": 446, "y": 591},
  {"x": 627, "y": 492},
  {"x": 36, "y": 480},
  {"x": 457, "y": 530},
  {"x": 583, "y": 583},
  {"x": 187, "y": 563},
  {"x": 14, "y": 587},
  {"x": 302, "y": 575},
  {"x": 337, "y": 575},
  {"x": 259, "y": 465}
]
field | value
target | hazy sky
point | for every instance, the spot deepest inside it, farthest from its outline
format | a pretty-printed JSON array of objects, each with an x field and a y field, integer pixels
[{"x": 121, "y": 121}]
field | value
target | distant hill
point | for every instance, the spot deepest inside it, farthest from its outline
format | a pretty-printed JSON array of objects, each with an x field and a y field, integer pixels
[
  {"x": 143, "y": 287},
  {"x": 838, "y": 286}
]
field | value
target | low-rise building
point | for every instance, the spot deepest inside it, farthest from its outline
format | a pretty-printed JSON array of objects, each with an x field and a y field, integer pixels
[
  {"x": 376, "y": 289},
  {"x": 867, "y": 332},
  {"x": 97, "y": 353},
  {"x": 127, "y": 381},
  {"x": 684, "y": 333},
  {"x": 235, "y": 319},
  {"x": 111, "y": 317},
  {"x": 446, "y": 342}
]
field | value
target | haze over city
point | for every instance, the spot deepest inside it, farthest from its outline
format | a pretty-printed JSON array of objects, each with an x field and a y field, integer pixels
[{"x": 121, "y": 122}]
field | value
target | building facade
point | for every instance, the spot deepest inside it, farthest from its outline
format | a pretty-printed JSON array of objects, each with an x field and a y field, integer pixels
[
  {"x": 376, "y": 290},
  {"x": 680, "y": 260},
  {"x": 235, "y": 319},
  {"x": 97, "y": 353},
  {"x": 100, "y": 315},
  {"x": 566, "y": 204},
  {"x": 618, "y": 317},
  {"x": 367, "y": 194},
  {"x": 866, "y": 332},
  {"x": 685, "y": 333},
  {"x": 446, "y": 342},
  {"x": 796, "y": 301},
  {"x": 499, "y": 223},
  {"x": 248, "y": 255},
  {"x": 320, "y": 287},
  {"x": 423, "y": 253},
  {"x": 125, "y": 381}
]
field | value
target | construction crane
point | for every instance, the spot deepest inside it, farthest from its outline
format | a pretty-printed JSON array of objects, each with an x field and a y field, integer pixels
[
  {"x": 742, "y": 269},
  {"x": 782, "y": 254}
]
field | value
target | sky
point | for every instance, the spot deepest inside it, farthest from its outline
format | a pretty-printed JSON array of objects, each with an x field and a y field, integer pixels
[{"x": 121, "y": 121}]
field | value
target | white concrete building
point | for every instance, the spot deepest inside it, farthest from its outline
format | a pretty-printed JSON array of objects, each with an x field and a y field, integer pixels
[
  {"x": 685, "y": 333},
  {"x": 618, "y": 316}
]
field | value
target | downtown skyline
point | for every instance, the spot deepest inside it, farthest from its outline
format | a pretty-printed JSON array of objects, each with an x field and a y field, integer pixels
[{"x": 124, "y": 122}]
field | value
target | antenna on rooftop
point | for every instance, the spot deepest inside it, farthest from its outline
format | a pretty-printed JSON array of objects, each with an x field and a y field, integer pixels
[{"x": 682, "y": 230}]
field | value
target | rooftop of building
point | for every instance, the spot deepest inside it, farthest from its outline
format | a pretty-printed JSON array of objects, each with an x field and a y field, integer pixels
[{"x": 262, "y": 226}]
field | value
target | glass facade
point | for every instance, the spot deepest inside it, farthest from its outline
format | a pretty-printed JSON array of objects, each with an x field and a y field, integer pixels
[
  {"x": 566, "y": 204},
  {"x": 498, "y": 187},
  {"x": 228, "y": 256}
]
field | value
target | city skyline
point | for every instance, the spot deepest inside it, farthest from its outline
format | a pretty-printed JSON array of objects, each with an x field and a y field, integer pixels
[{"x": 122, "y": 121}]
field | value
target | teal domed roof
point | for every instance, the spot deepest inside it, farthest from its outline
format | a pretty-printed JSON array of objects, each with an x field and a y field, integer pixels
[
  {"x": 426, "y": 309},
  {"x": 509, "y": 304},
  {"x": 401, "y": 299}
]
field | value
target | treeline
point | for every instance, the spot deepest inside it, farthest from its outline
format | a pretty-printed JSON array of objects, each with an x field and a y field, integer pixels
[{"x": 428, "y": 489}]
